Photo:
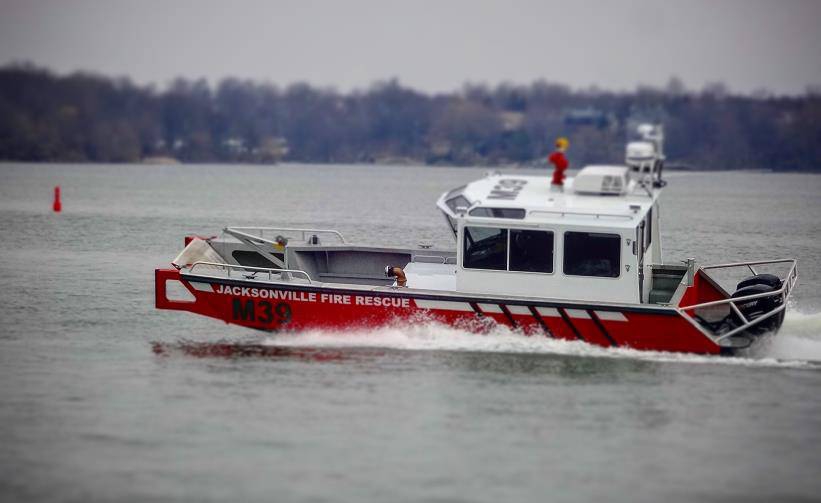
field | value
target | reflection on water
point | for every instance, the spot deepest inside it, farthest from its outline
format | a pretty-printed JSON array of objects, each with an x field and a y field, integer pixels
[
  {"x": 578, "y": 369},
  {"x": 245, "y": 350}
]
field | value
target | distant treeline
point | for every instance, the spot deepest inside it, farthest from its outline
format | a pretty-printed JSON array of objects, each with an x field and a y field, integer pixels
[{"x": 83, "y": 117}]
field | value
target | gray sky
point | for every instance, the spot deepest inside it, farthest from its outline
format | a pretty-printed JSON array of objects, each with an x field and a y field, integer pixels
[{"x": 430, "y": 45}]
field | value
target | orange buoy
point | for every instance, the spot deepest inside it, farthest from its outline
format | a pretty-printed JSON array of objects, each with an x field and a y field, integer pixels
[{"x": 57, "y": 206}]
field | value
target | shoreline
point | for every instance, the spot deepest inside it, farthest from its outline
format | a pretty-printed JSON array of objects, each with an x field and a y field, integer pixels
[{"x": 148, "y": 165}]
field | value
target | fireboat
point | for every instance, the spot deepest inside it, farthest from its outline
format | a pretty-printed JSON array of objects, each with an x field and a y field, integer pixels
[{"x": 583, "y": 263}]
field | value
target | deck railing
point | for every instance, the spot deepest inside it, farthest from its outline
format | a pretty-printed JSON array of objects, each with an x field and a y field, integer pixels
[
  {"x": 787, "y": 284},
  {"x": 258, "y": 233},
  {"x": 434, "y": 259},
  {"x": 254, "y": 270}
]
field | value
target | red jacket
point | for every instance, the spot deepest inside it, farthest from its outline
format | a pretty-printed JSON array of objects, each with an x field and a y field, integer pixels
[{"x": 558, "y": 160}]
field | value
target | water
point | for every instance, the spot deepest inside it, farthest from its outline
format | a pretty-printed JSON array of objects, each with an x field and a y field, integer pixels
[{"x": 102, "y": 398}]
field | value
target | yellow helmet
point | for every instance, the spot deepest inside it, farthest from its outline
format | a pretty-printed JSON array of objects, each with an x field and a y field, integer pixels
[{"x": 562, "y": 142}]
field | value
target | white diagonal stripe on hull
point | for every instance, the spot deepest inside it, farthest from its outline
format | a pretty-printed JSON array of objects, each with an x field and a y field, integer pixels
[
  {"x": 578, "y": 313},
  {"x": 443, "y": 304},
  {"x": 548, "y": 311},
  {"x": 610, "y": 315},
  {"x": 490, "y": 308},
  {"x": 519, "y": 310}
]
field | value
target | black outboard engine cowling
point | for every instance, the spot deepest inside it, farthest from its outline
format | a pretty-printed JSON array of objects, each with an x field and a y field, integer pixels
[
  {"x": 761, "y": 279},
  {"x": 754, "y": 308}
]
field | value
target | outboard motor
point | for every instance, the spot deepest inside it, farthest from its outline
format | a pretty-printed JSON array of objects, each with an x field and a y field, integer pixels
[{"x": 754, "y": 308}]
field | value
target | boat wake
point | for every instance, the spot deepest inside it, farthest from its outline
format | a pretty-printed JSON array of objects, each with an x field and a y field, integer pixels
[
  {"x": 799, "y": 338},
  {"x": 798, "y": 345}
]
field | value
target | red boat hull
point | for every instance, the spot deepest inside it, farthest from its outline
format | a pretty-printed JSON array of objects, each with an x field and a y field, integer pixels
[{"x": 301, "y": 307}]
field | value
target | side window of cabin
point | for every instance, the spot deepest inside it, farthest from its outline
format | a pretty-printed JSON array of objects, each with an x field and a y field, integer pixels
[
  {"x": 592, "y": 254},
  {"x": 485, "y": 248},
  {"x": 531, "y": 251}
]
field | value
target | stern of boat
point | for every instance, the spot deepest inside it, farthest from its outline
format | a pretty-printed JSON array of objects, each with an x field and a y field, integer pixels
[{"x": 755, "y": 308}]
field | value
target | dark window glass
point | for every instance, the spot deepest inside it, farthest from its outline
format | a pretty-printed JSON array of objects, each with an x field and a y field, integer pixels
[
  {"x": 531, "y": 251},
  {"x": 515, "y": 213},
  {"x": 485, "y": 248},
  {"x": 592, "y": 254},
  {"x": 457, "y": 202}
]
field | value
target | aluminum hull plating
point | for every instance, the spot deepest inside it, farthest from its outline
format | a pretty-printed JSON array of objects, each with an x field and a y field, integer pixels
[{"x": 286, "y": 306}]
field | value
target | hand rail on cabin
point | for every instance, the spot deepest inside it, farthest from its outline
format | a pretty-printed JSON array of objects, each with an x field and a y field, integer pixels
[
  {"x": 618, "y": 216},
  {"x": 271, "y": 271}
]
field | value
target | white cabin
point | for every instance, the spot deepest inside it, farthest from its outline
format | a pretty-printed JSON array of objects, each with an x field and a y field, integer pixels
[{"x": 595, "y": 239}]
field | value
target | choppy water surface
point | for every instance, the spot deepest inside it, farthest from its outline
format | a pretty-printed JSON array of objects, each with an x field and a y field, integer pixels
[{"x": 104, "y": 398}]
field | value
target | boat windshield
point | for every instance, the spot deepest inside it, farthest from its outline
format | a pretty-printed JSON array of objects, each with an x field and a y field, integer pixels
[
  {"x": 454, "y": 201},
  {"x": 457, "y": 202}
]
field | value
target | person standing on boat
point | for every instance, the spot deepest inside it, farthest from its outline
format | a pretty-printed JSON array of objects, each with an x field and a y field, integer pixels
[{"x": 559, "y": 162}]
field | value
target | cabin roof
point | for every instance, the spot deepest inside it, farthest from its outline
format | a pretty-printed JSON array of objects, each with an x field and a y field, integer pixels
[{"x": 544, "y": 203}]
